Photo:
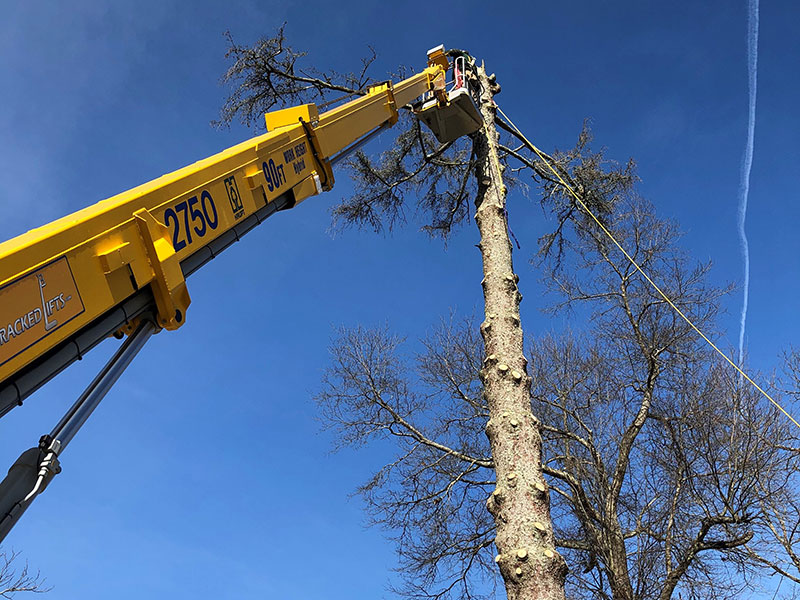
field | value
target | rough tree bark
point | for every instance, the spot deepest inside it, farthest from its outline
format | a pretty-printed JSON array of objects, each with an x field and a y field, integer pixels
[{"x": 528, "y": 561}]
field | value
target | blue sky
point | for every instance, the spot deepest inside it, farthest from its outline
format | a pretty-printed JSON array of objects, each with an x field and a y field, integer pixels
[{"x": 205, "y": 471}]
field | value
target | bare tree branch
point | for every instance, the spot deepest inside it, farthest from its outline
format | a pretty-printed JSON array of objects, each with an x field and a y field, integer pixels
[{"x": 13, "y": 582}]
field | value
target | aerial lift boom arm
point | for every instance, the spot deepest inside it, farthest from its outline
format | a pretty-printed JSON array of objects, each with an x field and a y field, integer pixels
[
  {"x": 120, "y": 266},
  {"x": 66, "y": 286}
]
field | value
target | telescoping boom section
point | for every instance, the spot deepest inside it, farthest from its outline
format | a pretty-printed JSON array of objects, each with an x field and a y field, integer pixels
[{"x": 66, "y": 286}]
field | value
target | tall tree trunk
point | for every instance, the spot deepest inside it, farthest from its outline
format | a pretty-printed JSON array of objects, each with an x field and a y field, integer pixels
[
  {"x": 530, "y": 566},
  {"x": 619, "y": 579}
]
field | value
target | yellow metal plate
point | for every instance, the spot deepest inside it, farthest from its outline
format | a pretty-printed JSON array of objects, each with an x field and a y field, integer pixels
[{"x": 35, "y": 305}]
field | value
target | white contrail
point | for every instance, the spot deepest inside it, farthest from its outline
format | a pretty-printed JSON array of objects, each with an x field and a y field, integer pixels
[{"x": 747, "y": 161}]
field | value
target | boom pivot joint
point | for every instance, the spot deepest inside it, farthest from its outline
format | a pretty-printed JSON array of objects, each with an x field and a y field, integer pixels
[{"x": 169, "y": 286}]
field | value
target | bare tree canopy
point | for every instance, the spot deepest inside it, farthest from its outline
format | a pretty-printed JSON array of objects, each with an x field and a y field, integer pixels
[
  {"x": 265, "y": 76},
  {"x": 416, "y": 175}
]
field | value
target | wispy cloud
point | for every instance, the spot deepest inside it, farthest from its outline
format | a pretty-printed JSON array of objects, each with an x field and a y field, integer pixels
[{"x": 747, "y": 161}]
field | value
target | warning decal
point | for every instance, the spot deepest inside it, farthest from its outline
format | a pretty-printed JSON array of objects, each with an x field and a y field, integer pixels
[{"x": 35, "y": 305}]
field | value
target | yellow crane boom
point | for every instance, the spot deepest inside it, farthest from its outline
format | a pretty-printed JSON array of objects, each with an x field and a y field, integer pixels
[
  {"x": 120, "y": 266},
  {"x": 68, "y": 285}
]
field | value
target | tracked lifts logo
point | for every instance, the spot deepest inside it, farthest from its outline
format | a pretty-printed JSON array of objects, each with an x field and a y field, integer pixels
[{"x": 35, "y": 305}]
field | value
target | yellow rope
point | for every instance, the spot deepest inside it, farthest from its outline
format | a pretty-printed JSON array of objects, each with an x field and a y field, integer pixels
[{"x": 638, "y": 268}]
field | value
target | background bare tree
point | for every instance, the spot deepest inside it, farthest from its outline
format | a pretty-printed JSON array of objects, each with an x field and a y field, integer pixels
[
  {"x": 778, "y": 547},
  {"x": 654, "y": 450}
]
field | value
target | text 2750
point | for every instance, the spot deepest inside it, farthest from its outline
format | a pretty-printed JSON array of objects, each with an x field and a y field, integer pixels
[{"x": 196, "y": 215}]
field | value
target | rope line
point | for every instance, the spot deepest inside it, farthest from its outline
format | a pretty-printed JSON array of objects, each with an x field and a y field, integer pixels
[{"x": 643, "y": 274}]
